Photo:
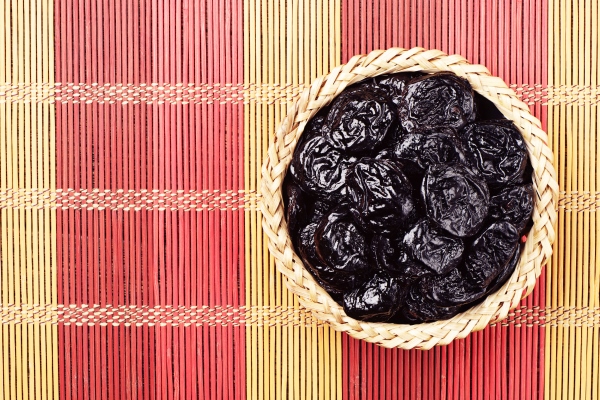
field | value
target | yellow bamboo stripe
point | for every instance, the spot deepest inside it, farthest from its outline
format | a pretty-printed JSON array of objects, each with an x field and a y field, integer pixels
[
  {"x": 286, "y": 45},
  {"x": 28, "y": 359},
  {"x": 572, "y": 352}
]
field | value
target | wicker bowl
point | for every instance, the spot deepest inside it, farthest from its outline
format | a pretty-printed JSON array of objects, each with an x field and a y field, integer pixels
[{"x": 495, "y": 306}]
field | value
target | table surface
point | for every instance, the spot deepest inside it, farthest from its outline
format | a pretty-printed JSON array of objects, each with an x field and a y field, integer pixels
[{"x": 133, "y": 264}]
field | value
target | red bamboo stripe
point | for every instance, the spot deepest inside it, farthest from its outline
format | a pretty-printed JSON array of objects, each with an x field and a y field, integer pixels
[
  {"x": 500, "y": 362},
  {"x": 150, "y": 256}
]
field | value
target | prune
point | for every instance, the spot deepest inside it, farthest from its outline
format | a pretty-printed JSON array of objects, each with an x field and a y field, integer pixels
[
  {"x": 417, "y": 309},
  {"x": 297, "y": 208},
  {"x": 334, "y": 280},
  {"x": 437, "y": 100},
  {"x": 498, "y": 150},
  {"x": 430, "y": 246},
  {"x": 506, "y": 272},
  {"x": 402, "y": 207},
  {"x": 513, "y": 204},
  {"x": 359, "y": 121},
  {"x": 490, "y": 252},
  {"x": 430, "y": 146},
  {"x": 376, "y": 300},
  {"x": 391, "y": 256},
  {"x": 380, "y": 196},
  {"x": 394, "y": 84},
  {"x": 450, "y": 289},
  {"x": 320, "y": 169},
  {"x": 420, "y": 149},
  {"x": 455, "y": 198},
  {"x": 340, "y": 244}
]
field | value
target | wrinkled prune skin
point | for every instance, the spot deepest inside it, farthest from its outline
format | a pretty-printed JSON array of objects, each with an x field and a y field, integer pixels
[
  {"x": 498, "y": 151},
  {"x": 437, "y": 100},
  {"x": 506, "y": 272},
  {"x": 359, "y": 121},
  {"x": 375, "y": 300},
  {"x": 415, "y": 215},
  {"x": 297, "y": 208},
  {"x": 430, "y": 246},
  {"x": 455, "y": 198},
  {"x": 320, "y": 169},
  {"x": 394, "y": 84},
  {"x": 417, "y": 309},
  {"x": 391, "y": 256},
  {"x": 420, "y": 149},
  {"x": 450, "y": 289},
  {"x": 513, "y": 204},
  {"x": 381, "y": 198},
  {"x": 490, "y": 252},
  {"x": 335, "y": 281},
  {"x": 340, "y": 243}
]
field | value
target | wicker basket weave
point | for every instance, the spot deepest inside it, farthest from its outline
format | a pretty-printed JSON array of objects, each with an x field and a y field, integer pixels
[{"x": 539, "y": 243}]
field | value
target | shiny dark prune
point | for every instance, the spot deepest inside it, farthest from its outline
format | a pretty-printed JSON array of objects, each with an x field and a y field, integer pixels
[
  {"x": 359, "y": 121},
  {"x": 381, "y": 198},
  {"x": 340, "y": 244},
  {"x": 498, "y": 151},
  {"x": 412, "y": 216},
  {"x": 513, "y": 204},
  {"x": 375, "y": 300},
  {"x": 455, "y": 198},
  {"x": 391, "y": 256},
  {"x": 417, "y": 309},
  {"x": 437, "y": 100},
  {"x": 335, "y": 281},
  {"x": 490, "y": 252},
  {"x": 394, "y": 84},
  {"x": 432, "y": 247},
  {"x": 297, "y": 208},
  {"x": 450, "y": 289},
  {"x": 420, "y": 149},
  {"x": 320, "y": 169},
  {"x": 506, "y": 272}
]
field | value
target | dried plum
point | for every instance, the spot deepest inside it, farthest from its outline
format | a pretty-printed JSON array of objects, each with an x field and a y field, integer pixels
[
  {"x": 335, "y": 281},
  {"x": 498, "y": 150},
  {"x": 513, "y": 204},
  {"x": 320, "y": 169},
  {"x": 376, "y": 300},
  {"x": 437, "y": 100},
  {"x": 417, "y": 309},
  {"x": 359, "y": 121},
  {"x": 406, "y": 197},
  {"x": 420, "y": 149},
  {"x": 340, "y": 244},
  {"x": 505, "y": 273},
  {"x": 394, "y": 84},
  {"x": 450, "y": 289},
  {"x": 380, "y": 196},
  {"x": 455, "y": 198},
  {"x": 297, "y": 208},
  {"x": 429, "y": 245},
  {"x": 391, "y": 256},
  {"x": 490, "y": 252}
]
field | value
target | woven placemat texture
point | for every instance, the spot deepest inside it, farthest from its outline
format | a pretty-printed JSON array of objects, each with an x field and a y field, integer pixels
[{"x": 133, "y": 263}]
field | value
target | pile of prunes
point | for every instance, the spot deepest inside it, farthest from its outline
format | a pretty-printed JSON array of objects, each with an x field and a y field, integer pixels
[{"x": 409, "y": 198}]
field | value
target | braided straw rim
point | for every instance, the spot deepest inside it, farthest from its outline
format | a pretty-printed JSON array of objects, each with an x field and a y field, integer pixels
[{"x": 538, "y": 247}]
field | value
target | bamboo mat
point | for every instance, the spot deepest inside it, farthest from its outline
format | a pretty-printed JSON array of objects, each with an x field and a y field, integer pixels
[{"x": 133, "y": 264}]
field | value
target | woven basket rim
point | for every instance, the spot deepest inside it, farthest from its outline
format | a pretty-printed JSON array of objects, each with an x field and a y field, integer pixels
[{"x": 538, "y": 247}]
